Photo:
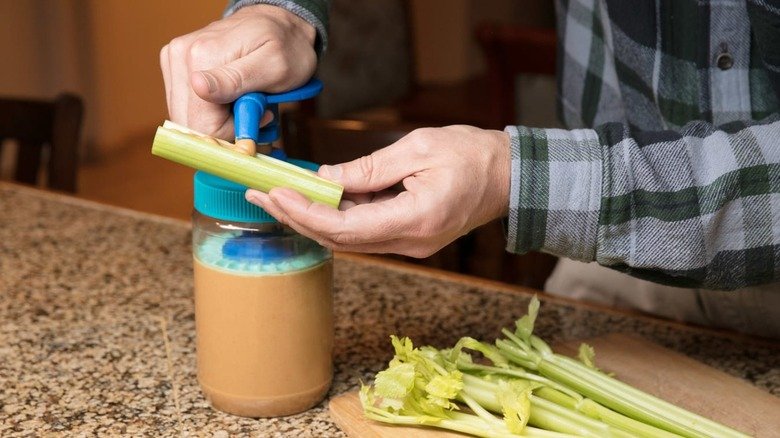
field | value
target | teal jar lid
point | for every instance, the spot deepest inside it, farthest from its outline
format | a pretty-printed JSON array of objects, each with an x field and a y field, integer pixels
[{"x": 222, "y": 199}]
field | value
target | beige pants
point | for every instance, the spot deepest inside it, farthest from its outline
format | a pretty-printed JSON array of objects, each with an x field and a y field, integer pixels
[{"x": 753, "y": 310}]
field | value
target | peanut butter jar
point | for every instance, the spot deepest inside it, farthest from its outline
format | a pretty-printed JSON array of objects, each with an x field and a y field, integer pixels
[{"x": 263, "y": 307}]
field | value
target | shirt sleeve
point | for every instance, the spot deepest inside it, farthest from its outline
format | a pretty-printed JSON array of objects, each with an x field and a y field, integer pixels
[
  {"x": 315, "y": 12},
  {"x": 698, "y": 207}
]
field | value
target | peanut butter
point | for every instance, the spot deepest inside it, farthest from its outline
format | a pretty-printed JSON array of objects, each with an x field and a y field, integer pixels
[{"x": 264, "y": 341}]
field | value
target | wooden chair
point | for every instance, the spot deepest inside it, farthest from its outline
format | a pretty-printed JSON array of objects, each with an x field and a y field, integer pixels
[
  {"x": 488, "y": 100},
  {"x": 511, "y": 51},
  {"x": 40, "y": 126},
  {"x": 332, "y": 141}
]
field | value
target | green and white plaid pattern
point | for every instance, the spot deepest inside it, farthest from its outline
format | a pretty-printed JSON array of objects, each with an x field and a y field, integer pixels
[{"x": 678, "y": 178}]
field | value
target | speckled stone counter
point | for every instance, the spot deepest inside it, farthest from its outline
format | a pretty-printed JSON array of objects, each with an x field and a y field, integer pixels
[{"x": 97, "y": 326}]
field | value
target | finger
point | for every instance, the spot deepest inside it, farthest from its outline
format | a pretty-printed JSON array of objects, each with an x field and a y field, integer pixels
[
  {"x": 403, "y": 246},
  {"x": 259, "y": 199},
  {"x": 212, "y": 118},
  {"x": 364, "y": 223},
  {"x": 263, "y": 201},
  {"x": 350, "y": 200},
  {"x": 377, "y": 171},
  {"x": 166, "y": 74},
  {"x": 209, "y": 118},
  {"x": 227, "y": 82},
  {"x": 178, "y": 50},
  {"x": 267, "y": 118}
]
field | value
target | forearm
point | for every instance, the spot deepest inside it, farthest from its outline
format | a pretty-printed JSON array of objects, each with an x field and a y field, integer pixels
[
  {"x": 692, "y": 208},
  {"x": 315, "y": 12}
]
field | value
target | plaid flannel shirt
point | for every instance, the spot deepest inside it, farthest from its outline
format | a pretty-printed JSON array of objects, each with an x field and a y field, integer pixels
[{"x": 671, "y": 169}]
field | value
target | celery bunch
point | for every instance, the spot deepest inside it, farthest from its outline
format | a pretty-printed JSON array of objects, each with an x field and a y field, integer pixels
[{"x": 521, "y": 388}]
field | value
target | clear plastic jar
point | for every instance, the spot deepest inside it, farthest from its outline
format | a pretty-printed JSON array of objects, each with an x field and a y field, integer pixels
[{"x": 263, "y": 313}]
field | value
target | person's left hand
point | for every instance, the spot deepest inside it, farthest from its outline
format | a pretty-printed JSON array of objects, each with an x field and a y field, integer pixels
[{"x": 456, "y": 178}]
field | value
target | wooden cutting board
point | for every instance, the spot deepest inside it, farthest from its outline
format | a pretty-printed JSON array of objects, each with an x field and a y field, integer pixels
[{"x": 640, "y": 363}]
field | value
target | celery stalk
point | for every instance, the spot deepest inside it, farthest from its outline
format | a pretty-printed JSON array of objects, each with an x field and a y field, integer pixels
[
  {"x": 577, "y": 422},
  {"x": 544, "y": 413},
  {"x": 617, "y": 395},
  {"x": 632, "y": 402},
  {"x": 518, "y": 373},
  {"x": 532, "y": 353},
  {"x": 599, "y": 412},
  {"x": 259, "y": 172},
  {"x": 612, "y": 393}
]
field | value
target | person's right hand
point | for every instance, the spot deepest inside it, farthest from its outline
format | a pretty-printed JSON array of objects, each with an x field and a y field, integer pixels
[
  {"x": 259, "y": 48},
  {"x": 455, "y": 179}
]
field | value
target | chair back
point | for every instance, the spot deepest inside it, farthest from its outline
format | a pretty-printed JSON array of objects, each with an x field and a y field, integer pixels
[
  {"x": 332, "y": 141},
  {"x": 369, "y": 62},
  {"x": 511, "y": 51},
  {"x": 44, "y": 129}
]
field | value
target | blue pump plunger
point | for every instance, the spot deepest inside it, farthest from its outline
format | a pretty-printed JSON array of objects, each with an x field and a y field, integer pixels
[
  {"x": 249, "y": 109},
  {"x": 255, "y": 246},
  {"x": 247, "y": 112}
]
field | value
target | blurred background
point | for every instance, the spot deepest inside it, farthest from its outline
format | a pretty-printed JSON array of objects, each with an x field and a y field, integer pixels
[{"x": 392, "y": 65}]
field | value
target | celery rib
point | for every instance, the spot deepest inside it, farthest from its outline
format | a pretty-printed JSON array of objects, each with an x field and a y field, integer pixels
[
  {"x": 519, "y": 373},
  {"x": 616, "y": 401},
  {"x": 583, "y": 424},
  {"x": 654, "y": 401},
  {"x": 596, "y": 411},
  {"x": 618, "y": 395},
  {"x": 258, "y": 172}
]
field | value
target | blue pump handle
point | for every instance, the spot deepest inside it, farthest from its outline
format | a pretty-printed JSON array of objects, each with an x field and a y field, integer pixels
[{"x": 249, "y": 108}]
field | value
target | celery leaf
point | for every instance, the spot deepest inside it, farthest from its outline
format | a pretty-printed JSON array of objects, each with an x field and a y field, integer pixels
[
  {"x": 487, "y": 350},
  {"x": 515, "y": 400},
  {"x": 587, "y": 355},
  {"x": 396, "y": 381},
  {"x": 525, "y": 325}
]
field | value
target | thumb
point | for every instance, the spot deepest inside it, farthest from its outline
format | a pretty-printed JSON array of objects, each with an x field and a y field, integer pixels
[
  {"x": 374, "y": 172},
  {"x": 228, "y": 82}
]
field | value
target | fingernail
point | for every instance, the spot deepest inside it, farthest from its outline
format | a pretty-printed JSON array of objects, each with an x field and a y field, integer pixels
[
  {"x": 330, "y": 172},
  {"x": 210, "y": 80},
  {"x": 251, "y": 196}
]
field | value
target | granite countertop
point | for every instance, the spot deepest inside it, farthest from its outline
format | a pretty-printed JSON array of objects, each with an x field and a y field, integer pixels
[{"x": 97, "y": 326}]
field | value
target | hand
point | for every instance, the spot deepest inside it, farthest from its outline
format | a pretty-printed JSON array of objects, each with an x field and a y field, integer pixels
[
  {"x": 259, "y": 48},
  {"x": 456, "y": 178}
]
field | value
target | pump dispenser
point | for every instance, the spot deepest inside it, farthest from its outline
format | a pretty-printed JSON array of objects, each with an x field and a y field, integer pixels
[
  {"x": 263, "y": 293},
  {"x": 249, "y": 109}
]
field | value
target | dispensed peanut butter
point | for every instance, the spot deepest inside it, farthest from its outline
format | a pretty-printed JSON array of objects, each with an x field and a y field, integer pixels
[{"x": 264, "y": 342}]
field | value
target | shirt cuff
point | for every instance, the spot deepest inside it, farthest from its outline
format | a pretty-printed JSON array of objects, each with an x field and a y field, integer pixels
[
  {"x": 315, "y": 13},
  {"x": 555, "y": 192}
]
